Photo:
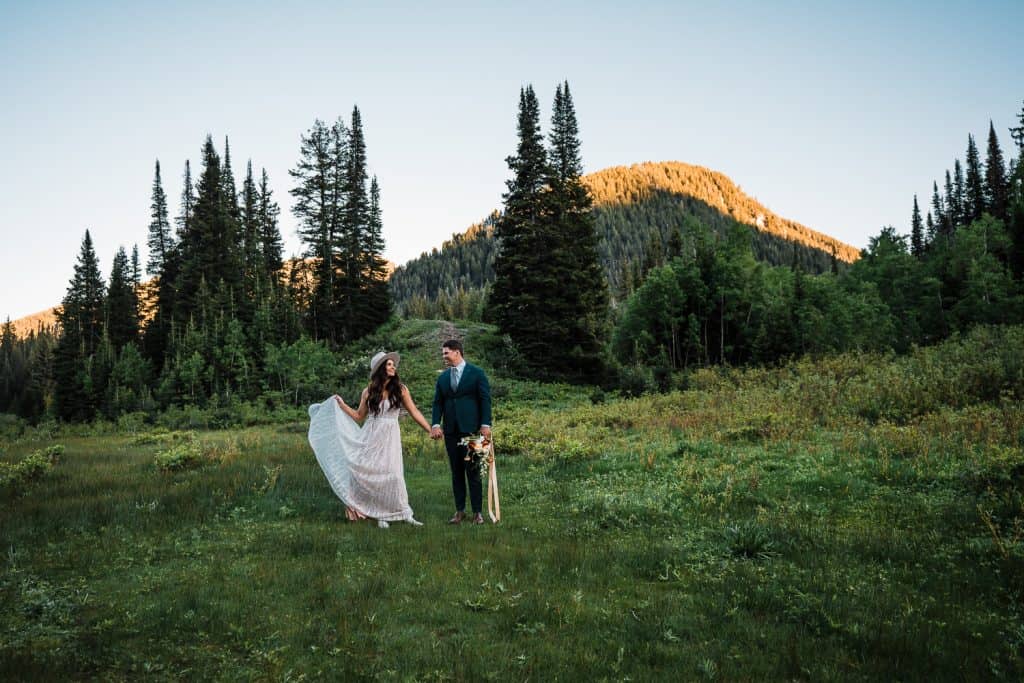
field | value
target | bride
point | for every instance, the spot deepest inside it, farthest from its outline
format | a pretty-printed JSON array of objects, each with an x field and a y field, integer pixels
[{"x": 364, "y": 464}]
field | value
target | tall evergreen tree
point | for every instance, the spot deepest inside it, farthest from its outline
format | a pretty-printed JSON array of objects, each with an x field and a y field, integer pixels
[
  {"x": 942, "y": 222},
  {"x": 252, "y": 261},
  {"x": 317, "y": 209},
  {"x": 930, "y": 227},
  {"x": 376, "y": 294},
  {"x": 209, "y": 247},
  {"x": 161, "y": 241},
  {"x": 997, "y": 187},
  {"x": 136, "y": 267},
  {"x": 959, "y": 194},
  {"x": 521, "y": 279},
  {"x": 952, "y": 203},
  {"x": 188, "y": 201},
  {"x": 122, "y": 304},
  {"x": 80, "y": 320},
  {"x": 917, "y": 230},
  {"x": 357, "y": 316},
  {"x": 1015, "y": 231},
  {"x": 1017, "y": 133},
  {"x": 229, "y": 192},
  {"x": 582, "y": 300},
  {"x": 1015, "y": 222},
  {"x": 271, "y": 247},
  {"x": 975, "y": 199},
  {"x": 165, "y": 309}
]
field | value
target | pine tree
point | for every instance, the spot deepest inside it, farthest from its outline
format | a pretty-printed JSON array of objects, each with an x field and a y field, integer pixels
[
  {"x": 122, "y": 304},
  {"x": 1015, "y": 223},
  {"x": 136, "y": 267},
  {"x": 209, "y": 248},
  {"x": 8, "y": 375},
  {"x": 975, "y": 189},
  {"x": 229, "y": 193},
  {"x": 1017, "y": 133},
  {"x": 357, "y": 316},
  {"x": 165, "y": 309},
  {"x": 582, "y": 300},
  {"x": 188, "y": 201},
  {"x": 161, "y": 241},
  {"x": 271, "y": 246},
  {"x": 80, "y": 320},
  {"x": 916, "y": 230},
  {"x": 997, "y": 187},
  {"x": 522, "y": 279},
  {"x": 376, "y": 294},
  {"x": 952, "y": 204},
  {"x": 959, "y": 194},
  {"x": 930, "y": 228},
  {"x": 317, "y": 208},
  {"x": 252, "y": 261},
  {"x": 942, "y": 222}
]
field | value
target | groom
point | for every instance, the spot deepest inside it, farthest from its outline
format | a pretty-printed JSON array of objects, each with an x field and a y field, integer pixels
[{"x": 462, "y": 403}]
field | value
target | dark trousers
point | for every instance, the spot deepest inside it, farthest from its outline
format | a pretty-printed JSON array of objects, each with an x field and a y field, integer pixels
[{"x": 462, "y": 470}]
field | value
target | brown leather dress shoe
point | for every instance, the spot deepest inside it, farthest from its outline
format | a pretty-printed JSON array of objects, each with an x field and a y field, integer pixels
[
  {"x": 457, "y": 517},
  {"x": 478, "y": 518}
]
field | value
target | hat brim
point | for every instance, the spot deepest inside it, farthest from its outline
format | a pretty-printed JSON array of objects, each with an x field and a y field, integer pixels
[{"x": 393, "y": 355}]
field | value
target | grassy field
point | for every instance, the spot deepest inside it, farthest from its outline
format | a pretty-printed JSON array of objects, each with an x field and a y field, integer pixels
[{"x": 854, "y": 518}]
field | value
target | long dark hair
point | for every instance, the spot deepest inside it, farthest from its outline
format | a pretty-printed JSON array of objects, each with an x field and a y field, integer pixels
[{"x": 380, "y": 383}]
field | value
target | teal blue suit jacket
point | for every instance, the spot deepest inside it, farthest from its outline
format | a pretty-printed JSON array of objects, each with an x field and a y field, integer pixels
[{"x": 464, "y": 409}]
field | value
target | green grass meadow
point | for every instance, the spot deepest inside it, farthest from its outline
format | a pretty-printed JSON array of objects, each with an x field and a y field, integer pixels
[{"x": 853, "y": 518}]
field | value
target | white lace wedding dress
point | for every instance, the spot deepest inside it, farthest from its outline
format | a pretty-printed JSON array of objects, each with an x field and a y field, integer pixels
[{"x": 362, "y": 464}]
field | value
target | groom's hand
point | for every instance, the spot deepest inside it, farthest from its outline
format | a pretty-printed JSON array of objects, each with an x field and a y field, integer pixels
[
  {"x": 436, "y": 433},
  {"x": 486, "y": 432}
]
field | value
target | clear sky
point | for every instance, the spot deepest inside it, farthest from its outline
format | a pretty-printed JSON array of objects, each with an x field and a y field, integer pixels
[{"x": 833, "y": 114}]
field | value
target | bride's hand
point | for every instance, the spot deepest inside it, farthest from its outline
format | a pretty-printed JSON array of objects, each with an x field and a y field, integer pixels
[{"x": 340, "y": 400}]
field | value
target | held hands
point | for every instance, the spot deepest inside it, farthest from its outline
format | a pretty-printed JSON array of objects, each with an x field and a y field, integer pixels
[{"x": 436, "y": 433}]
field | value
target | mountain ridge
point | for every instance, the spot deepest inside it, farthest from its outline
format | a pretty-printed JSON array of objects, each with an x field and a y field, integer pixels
[
  {"x": 678, "y": 177},
  {"x": 697, "y": 189},
  {"x": 638, "y": 209}
]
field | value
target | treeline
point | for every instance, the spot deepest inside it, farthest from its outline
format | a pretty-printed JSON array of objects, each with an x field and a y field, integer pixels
[
  {"x": 639, "y": 212},
  {"x": 960, "y": 266},
  {"x": 224, "y": 317}
]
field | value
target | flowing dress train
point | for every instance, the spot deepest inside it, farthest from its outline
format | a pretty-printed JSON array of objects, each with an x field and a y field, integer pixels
[{"x": 362, "y": 464}]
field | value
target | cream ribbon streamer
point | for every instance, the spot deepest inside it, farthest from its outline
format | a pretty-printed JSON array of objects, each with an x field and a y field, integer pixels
[{"x": 493, "y": 505}]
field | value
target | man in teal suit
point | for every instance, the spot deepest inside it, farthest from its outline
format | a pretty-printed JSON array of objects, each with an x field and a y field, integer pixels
[{"x": 462, "y": 404}]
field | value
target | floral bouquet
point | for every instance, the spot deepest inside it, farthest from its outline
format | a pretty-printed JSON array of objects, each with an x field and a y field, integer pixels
[{"x": 478, "y": 452}]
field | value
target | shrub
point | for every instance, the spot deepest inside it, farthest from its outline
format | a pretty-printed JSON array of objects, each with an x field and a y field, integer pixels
[
  {"x": 634, "y": 381},
  {"x": 15, "y": 478},
  {"x": 162, "y": 437},
  {"x": 11, "y": 426},
  {"x": 179, "y": 457}
]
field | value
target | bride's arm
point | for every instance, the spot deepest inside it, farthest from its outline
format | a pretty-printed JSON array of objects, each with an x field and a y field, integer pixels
[
  {"x": 411, "y": 408},
  {"x": 356, "y": 415}
]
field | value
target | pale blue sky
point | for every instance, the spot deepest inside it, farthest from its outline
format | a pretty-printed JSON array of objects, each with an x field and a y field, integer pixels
[{"x": 832, "y": 113}]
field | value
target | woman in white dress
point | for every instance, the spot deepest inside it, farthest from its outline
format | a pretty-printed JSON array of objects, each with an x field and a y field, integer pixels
[{"x": 364, "y": 464}]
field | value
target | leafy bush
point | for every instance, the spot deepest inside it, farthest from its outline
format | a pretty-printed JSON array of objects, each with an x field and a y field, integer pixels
[
  {"x": 634, "y": 381},
  {"x": 182, "y": 456},
  {"x": 14, "y": 479},
  {"x": 11, "y": 427},
  {"x": 162, "y": 437}
]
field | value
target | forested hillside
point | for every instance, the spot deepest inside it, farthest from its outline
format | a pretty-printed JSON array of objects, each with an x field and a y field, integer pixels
[{"x": 639, "y": 209}]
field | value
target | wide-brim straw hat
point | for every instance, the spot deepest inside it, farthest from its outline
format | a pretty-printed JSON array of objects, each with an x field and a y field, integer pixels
[{"x": 382, "y": 357}]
